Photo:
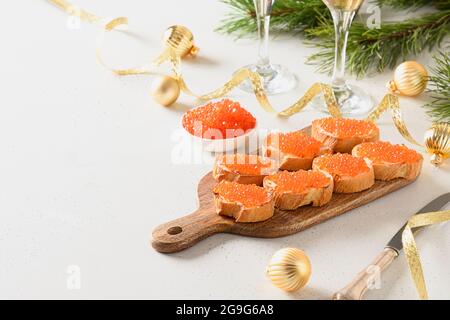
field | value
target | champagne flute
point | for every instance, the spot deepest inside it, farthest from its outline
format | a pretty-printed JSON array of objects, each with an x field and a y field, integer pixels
[
  {"x": 351, "y": 99},
  {"x": 276, "y": 78}
]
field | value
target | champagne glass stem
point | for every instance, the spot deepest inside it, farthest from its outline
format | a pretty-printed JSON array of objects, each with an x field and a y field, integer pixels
[
  {"x": 275, "y": 78},
  {"x": 263, "y": 10},
  {"x": 342, "y": 20}
]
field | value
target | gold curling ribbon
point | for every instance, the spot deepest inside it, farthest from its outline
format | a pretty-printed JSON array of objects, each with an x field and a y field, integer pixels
[
  {"x": 170, "y": 55},
  {"x": 410, "y": 247},
  {"x": 244, "y": 74},
  {"x": 110, "y": 26},
  {"x": 391, "y": 101},
  {"x": 106, "y": 27},
  {"x": 76, "y": 11}
]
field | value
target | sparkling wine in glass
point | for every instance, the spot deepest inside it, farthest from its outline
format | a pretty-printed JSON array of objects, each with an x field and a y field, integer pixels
[
  {"x": 351, "y": 99},
  {"x": 276, "y": 78}
]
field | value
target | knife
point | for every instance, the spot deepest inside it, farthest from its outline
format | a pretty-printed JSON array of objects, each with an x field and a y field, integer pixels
[{"x": 365, "y": 279}]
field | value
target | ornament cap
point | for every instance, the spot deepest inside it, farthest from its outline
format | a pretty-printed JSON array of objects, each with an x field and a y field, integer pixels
[
  {"x": 392, "y": 87},
  {"x": 436, "y": 159},
  {"x": 194, "y": 51}
]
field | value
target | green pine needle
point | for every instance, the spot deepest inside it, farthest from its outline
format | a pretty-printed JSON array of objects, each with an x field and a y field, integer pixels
[
  {"x": 439, "y": 107},
  {"x": 414, "y": 4},
  {"x": 372, "y": 50},
  {"x": 406, "y": 4},
  {"x": 287, "y": 16}
]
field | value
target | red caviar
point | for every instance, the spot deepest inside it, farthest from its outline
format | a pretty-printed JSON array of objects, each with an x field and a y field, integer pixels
[
  {"x": 341, "y": 164},
  {"x": 299, "y": 181},
  {"x": 346, "y": 128},
  {"x": 386, "y": 152},
  {"x": 295, "y": 143},
  {"x": 219, "y": 120},
  {"x": 249, "y": 195},
  {"x": 245, "y": 164}
]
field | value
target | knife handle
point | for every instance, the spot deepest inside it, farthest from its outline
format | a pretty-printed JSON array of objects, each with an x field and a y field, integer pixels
[{"x": 356, "y": 289}]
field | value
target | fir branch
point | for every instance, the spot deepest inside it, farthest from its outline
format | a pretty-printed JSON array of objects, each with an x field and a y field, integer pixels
[
  {"x": 371, "y": 50},
  {"x": 368, "y": 51},
  {"x": 439, "y": 107},
  {"x": 406, "y": 4},
  {"x": 414, "y": 4},
  {"x": 287, "y": 16},
  {"x": 442, "y": 4}
]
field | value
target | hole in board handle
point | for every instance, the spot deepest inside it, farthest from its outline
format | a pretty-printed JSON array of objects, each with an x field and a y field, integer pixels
[{"x": 174, "y": 230}]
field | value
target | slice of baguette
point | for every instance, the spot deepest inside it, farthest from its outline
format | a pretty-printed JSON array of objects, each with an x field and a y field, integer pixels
[
  {"x": 290, "y": 199},
  {"x": 345, "y": 183},
  {"x": 291, "y": 162},
  {"x": 293, "y": 150},
  {"x": 287, "y": 161},
  {"x": 389, "y": 170},
  {"x": 238, "y": 210},
  {"x": 225, "y": 169},
  {"x": 242, "y": 214},
  {"x": 343, "y": 143}
]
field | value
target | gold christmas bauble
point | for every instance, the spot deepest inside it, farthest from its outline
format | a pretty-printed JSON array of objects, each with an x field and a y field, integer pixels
[
  {"x": 165, "y": 90},
  {"x": 181, "y": 40},
  {"x": 437, "y": 142},
  {"x": 410, "y": 79},
  {"x": 289, "y": 269}
]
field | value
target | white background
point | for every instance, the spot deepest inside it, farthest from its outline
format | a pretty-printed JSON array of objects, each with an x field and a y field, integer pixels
[{"x": 86, "y": 171}]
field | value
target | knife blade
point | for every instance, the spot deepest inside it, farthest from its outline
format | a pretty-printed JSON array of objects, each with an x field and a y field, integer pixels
[
  {"x": 435, "y": 205},
  {"x": 356, "y": 289}
]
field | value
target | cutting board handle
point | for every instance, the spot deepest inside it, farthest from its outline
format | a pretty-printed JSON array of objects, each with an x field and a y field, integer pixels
[
  {"x": 356, "y": 289},
  {"x": 184, "y": 232}
]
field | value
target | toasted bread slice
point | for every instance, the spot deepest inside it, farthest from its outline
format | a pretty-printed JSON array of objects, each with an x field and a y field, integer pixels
[
  {"x": 342, "y": 135},
  {"x": 350, "y": 174},
  {"x": 243, "y": 202},
  {"x": 292, "y": 190},
  {"x": 243, "y": 168},
  {"x": 293, "y": 150},
  {"x": 390, "y": 161}
]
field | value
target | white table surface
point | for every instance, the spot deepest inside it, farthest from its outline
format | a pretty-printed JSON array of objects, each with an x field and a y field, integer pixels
[{"x": 86, "y": 170}]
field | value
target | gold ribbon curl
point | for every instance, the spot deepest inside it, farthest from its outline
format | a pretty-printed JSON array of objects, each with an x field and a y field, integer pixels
[
  {"x": 76, "y": 11},
  {"x": 390, "y": 101},
  {"x": 410, "y": 247},
  {"x": 244, "y": 74}
]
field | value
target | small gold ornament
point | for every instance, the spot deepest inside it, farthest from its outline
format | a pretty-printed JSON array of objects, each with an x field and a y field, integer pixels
[
  {"x": 410, "y": 79},
  {"x": 165, "y": 90},
  {"x": 437, "y": 142},
  {"x": 289, "y": 269},
  {"x": 181, "y": 40}
]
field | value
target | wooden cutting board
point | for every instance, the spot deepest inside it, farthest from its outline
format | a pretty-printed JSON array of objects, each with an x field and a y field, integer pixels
[{"x": 184, "y": 232}]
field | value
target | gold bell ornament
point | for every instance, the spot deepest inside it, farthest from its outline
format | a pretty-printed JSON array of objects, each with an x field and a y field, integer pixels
[
  {"x": 437, "y": 142},
  {"x": 181, "y": 40},
  {"x": 289, "y": 269},
  {"x": 165, "y": 90},
  {"x": 410, "y": 79},
  {"x": 177, "y": 40}
]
